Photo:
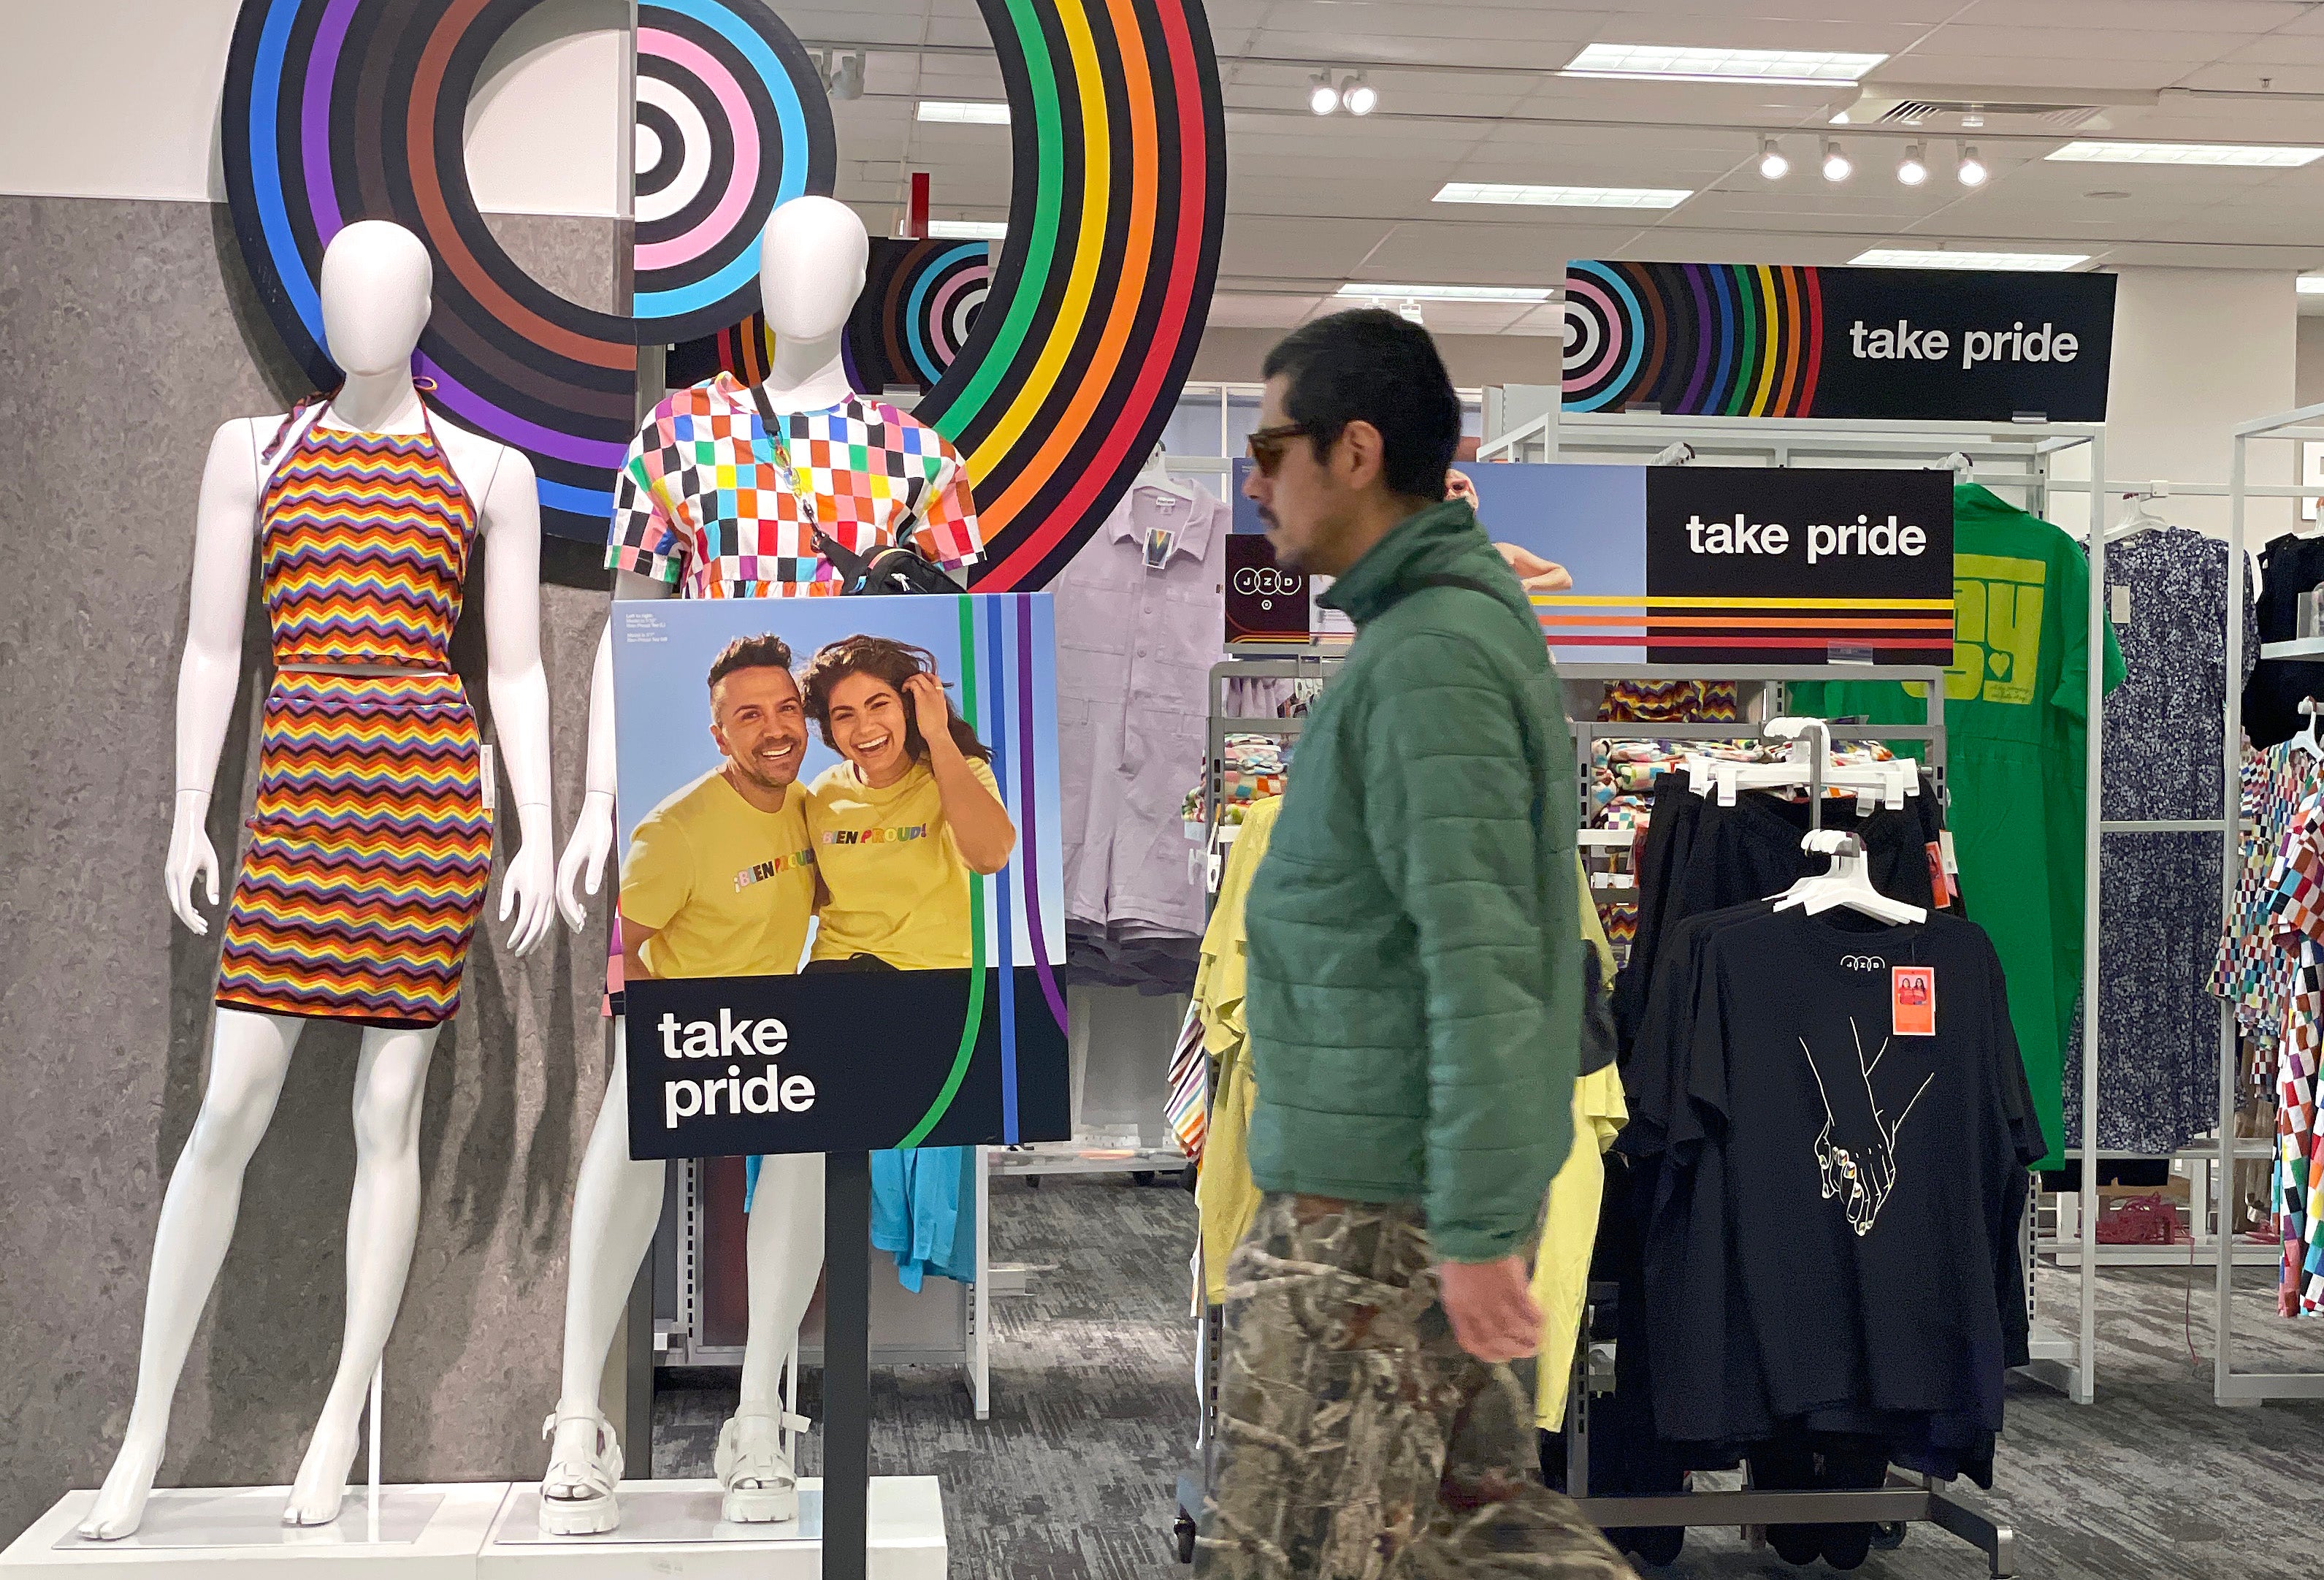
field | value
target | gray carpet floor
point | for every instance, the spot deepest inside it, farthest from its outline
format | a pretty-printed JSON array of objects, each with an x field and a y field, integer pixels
[{"x": 1094, "y": 1416}]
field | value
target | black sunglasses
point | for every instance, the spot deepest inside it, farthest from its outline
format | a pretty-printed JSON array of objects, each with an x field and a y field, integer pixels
[{"x": 1267, "y": 445}]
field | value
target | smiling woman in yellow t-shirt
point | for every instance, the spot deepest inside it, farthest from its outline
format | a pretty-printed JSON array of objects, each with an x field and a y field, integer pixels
[{"x": 903, "y": 823}]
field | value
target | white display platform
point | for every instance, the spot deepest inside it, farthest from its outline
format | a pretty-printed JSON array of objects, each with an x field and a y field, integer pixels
[
  {"x": 422, "y": 1533},
  {"x": 672, "y": 1527}
]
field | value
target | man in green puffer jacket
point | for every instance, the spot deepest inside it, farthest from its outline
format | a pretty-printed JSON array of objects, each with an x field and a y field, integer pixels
[{"x": 1413, "y": 1005}]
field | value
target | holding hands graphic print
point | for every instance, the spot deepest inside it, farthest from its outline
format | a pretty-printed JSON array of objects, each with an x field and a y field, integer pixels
[{"x": 1855, "y": 1150}]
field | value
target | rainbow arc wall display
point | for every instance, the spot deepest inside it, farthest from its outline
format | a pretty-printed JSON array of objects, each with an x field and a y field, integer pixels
[{"x": 339, "y": 110}]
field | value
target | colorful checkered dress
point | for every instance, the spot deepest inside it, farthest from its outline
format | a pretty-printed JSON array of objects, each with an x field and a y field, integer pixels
[
  {"x": 701, "y": 503},
  {"x": 370, "y": 847}
]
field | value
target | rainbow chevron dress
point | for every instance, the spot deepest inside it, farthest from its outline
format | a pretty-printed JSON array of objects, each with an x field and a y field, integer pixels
[{"x": 370, "y": 847}]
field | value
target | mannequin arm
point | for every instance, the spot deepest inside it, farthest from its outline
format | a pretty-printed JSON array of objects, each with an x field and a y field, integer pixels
[
  {"x": 593, "y": 835},
  {"x": 211, "y": 671},
  {"x": 520, "y": 688}
]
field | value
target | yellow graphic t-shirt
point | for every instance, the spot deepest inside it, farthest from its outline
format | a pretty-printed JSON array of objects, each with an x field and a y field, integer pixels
[
  {"x": 728, "y": 888},
  {"x": 897, "y": 887}
]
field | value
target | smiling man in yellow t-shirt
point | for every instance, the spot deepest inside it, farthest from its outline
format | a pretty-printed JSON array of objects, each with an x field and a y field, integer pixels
[{"x": 719, "y": 880}]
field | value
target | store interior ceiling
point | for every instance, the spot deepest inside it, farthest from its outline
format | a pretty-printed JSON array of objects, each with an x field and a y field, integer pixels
[{"x": 1485, "y": 91}]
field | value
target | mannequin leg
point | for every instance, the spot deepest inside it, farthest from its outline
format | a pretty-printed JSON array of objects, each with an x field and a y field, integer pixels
[
  {"x": 786, "y": 1252},
  {"x": 249, "y": 1056},
  {"x": 383, "y": 1223},
  {"x": 754, "y": 1460},
  {"x": 617, "y": 1207}
]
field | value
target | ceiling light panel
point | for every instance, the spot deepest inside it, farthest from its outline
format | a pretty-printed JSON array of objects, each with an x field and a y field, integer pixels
[
  {"x": 1920, "y": 258},
  {"x": 1564, "y": 196},
  {"x": 967, "y": 230},
  {"x": 2311, "y": 284},
  {"x": 964, "y": 112},
  {"x": 1367, "y": 291},
  {"x": 1672, "y": 62},
  {"x": 2269, "y": 156}
]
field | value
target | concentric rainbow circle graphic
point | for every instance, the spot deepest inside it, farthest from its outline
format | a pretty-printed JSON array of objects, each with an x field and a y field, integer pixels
[
  {"x": 932, "y": 302},
  {"x": 1693, "y": 339},
  {"x": 730, "y": 121},
  {"x": 338, "y": 110},
  {"x": 1117, "y": 201}
]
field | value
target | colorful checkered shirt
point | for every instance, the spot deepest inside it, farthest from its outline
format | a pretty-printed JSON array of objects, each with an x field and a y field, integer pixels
[{"x": 701, "y": 503}]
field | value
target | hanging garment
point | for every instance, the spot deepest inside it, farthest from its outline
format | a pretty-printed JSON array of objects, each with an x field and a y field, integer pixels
[
  {"x": 2158, "y": 907},
  {"x": 1699, "y": 856},
  {"x": 1569, "y": 1225},
  {"x": 2253, "y": 970},
  {"x": 702, "y": 503},
  {"x": 1225, "y": 1198},
  {"x": 1140, "y": 623},
  {"x": 370, "y": 846},
  {"x": 2016, "y": 704},
  {"x": 2295, "y": 918},
  {"x": 2288, "y": 566},
  {"x": 1843, "y": 1125}
]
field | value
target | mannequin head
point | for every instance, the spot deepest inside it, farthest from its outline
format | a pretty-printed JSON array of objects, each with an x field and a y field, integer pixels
[
  {"x": 376, "y": 277},
  {"x": 812, "y": 258}
]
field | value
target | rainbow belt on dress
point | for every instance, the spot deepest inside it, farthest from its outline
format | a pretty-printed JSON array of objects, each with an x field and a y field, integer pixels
[{"x": 370, "y": 847}]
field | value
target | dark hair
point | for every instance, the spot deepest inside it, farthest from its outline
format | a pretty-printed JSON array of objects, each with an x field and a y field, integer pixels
[
  {"x": 893, "y": 662},
  {"x": 764, "y": 652},
  {"x": 1372, "y": 366}
]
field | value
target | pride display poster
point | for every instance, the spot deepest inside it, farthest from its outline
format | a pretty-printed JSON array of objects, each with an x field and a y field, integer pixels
[
  {"x": 838, "y": 937},
  {"x": 1784, "y": 340},
  {"x": 1743, "y": 564}
]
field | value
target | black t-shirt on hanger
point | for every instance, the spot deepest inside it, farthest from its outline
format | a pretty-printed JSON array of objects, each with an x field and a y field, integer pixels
[{"x": 1858, "y": 1187}]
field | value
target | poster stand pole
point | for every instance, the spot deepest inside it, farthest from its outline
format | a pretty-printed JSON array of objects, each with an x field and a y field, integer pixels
[{"x": 847, "y": 1364}]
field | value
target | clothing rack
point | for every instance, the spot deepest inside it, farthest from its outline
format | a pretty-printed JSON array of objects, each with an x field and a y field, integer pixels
[
  {"x": 2229, "y": 1386},
  {"x": 1257, "y": 661},
  {"x": 1904, "y": 1499},
  {"x": 2021, "y": 458}
]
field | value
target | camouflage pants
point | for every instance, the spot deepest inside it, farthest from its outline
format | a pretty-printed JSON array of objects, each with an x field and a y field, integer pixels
[{"x": 1357, "y": 1441}]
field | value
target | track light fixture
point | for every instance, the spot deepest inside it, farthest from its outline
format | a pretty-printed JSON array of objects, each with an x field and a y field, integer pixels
[
  {"x": 1322, "y": 99},
  {"x": 1972, "y": 171},
  {"x": 1912, "y": 169},
  {"x": 1358, "y": 97},
  {"x": 1773, "y": 164},
  {"x": 847, "y": 77},
  {"x": 1837, "y": 166}
]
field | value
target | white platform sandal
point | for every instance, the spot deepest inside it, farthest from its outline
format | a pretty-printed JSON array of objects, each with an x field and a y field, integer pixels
[
  {"x": 577, "y": 1495},
  {"x": 754, "y": 1469}
]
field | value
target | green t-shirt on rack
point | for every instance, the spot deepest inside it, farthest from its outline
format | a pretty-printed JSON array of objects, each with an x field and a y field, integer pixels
[{"x": 2016, "y": 704}]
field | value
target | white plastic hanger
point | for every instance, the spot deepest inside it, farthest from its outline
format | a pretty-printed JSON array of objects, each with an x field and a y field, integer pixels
[
  {"x": 2142, "y": 516},
  {"x": 1156, "y": 476},
  {"x": 1808, "y": 765},
  {"x": 2308, "y": 740},
  {"x": 1846, "y": 882}
]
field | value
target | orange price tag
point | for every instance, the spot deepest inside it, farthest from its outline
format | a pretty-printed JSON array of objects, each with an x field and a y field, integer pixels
[{"x": 1913, "y": 1002}]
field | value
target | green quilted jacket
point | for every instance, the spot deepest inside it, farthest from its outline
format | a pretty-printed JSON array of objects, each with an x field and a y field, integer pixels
[{"x": 1414, "y": 994}]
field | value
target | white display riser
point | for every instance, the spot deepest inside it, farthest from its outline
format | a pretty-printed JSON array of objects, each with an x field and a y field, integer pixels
[
  {"x": 471, "y": 1530},
  {"x": 672, "y": 1528},
  {"x": 423, "y": 1533}
]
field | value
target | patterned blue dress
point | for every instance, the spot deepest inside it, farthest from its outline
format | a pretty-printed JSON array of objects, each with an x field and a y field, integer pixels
[{"x": 2159, "y": 920}]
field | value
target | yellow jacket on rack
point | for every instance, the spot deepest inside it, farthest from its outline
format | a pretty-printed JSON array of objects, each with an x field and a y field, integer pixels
[
  {"x": 1569, "y": 1230},
  {"x": 1224, "y": 1194}
]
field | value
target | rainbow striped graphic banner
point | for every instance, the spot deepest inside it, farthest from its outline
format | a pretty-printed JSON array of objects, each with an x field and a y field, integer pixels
[{"x": 1782, "y": 340}]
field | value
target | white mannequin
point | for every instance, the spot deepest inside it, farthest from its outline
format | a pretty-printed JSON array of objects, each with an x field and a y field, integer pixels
[
  {"x": 375, "y": 282},
  {"x": 812, "y": 260}
]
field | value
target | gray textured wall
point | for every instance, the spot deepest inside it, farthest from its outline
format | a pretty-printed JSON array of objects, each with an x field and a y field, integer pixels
[{"x": 128, "y": 338}]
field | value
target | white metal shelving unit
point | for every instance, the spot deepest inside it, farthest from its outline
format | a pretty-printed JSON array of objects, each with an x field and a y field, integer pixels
[
  {"x": 2020, "y": 457},
  {"x": 2229, "y": 1386}
]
